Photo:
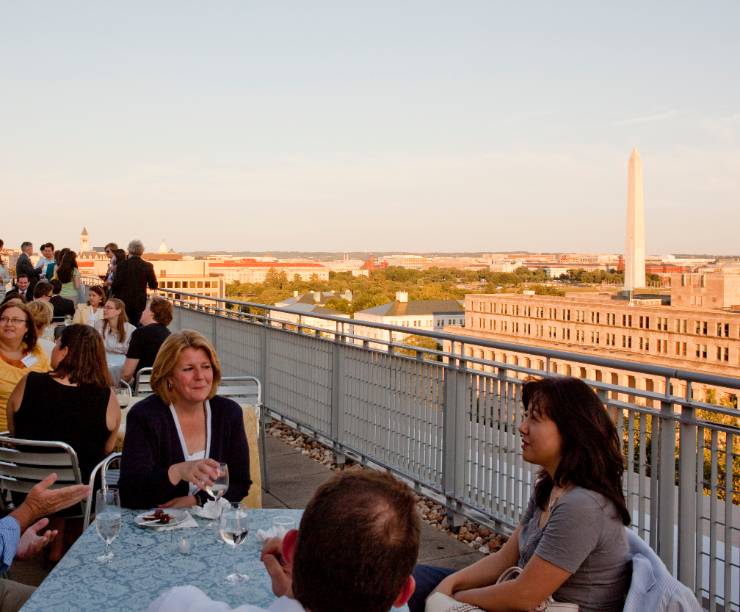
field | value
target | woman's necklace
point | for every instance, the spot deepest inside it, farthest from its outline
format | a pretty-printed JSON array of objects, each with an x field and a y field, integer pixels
[{"x": 555, "y": 495}]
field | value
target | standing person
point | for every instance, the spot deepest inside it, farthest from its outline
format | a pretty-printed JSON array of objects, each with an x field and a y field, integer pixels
[
  {"x": 110, "y": 249},
  {"x": 92, "y": 312},
  {"x": 146, "y": 340},
  {"x": 24, "y": 267},
  {"x": 19, "y": 351},
  {"x": 62, "y": 306},
  {"x": 131, "y": 279},
  {"x": 46, "y": 262},
  {"x": 4, "y": 278},
  {"x": 114, "y": 327},
  {"x": 69, "y": 275}
]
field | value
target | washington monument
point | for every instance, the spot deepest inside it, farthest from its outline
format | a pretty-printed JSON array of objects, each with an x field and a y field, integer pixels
[{"x": 634, "y": 253}]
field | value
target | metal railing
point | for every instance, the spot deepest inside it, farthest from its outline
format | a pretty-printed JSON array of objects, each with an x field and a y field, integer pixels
[{"x": 449, "y": 422}]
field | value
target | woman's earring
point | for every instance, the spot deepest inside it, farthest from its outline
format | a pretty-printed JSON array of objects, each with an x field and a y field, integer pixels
[{"x": 169, "y": 385}]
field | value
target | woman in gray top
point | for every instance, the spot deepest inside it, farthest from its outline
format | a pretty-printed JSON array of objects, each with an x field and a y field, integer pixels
[{"x": 571, "y": 542}]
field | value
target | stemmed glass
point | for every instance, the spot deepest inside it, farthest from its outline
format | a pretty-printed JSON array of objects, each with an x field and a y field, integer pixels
[
  {"x": 107, "y": 519},
  {"x": 233, "y": 529},
  {"x": 221, "y": 484}
]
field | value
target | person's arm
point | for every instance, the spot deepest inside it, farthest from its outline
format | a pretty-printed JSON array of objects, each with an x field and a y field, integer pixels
[
  {"x": 485, "y": 571},
  {"x": 129, "y": 369},
  {"x": 112, "y": 422},
  {"x": 10, "y": 535},
  {"x": 537, "y": 582},
  {"x": 14, "y": 403},
  {"x": 79, "y": 316},
  {"x": 237, "y": 453},
  {"x": 76, "y": 278},
  {"x": 151, "y": 277}
]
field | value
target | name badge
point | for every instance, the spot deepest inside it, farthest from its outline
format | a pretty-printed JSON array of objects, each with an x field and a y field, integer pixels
[{"x": 29, "y": 361}]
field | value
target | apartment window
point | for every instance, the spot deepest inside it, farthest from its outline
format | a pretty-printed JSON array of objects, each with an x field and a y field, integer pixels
[
  {"x": 644, "y": 344},
  {"x": 681, "y": 348},
  {"x": 701, "y": 351},
  {"x": 626, "y": 320},
  {"x": 627, "y": 342},
  {"x": 594, "y": 337},
  {"x": 723, "y": 353}
]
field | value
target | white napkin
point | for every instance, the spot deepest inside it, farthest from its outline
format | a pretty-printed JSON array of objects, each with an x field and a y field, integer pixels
[
  {"x": 211, "y": 509},
  {"x": 188, "y": 523}
]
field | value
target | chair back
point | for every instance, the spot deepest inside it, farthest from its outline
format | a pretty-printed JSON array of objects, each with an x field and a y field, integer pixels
[
  {"x": 243, "y": 389},
  {"x": 23, "y": 463},
  {"x": 143, "y": 382},
  {"x": 108, "y": 478}
]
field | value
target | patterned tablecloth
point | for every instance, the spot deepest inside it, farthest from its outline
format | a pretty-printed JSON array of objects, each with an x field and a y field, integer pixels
[{"x": 147, "y": 562}]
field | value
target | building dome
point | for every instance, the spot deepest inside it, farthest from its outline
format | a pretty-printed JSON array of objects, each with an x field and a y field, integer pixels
[{"x": 163, "y": 248}]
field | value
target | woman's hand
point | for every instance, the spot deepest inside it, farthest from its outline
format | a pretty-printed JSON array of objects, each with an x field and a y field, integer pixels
[
  {"x": 201, "y": 472},
  {"x": 187, "y": 501}
]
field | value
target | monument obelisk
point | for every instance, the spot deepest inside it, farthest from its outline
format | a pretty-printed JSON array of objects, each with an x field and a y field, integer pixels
[{"x": 634, "y": 253}]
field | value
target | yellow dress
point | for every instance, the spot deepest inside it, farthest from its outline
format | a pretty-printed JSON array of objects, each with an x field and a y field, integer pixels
[{"x": 10, "y": 375}]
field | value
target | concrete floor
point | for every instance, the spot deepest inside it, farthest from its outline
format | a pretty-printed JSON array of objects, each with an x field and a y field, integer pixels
[{"x": 293, "y": 479}]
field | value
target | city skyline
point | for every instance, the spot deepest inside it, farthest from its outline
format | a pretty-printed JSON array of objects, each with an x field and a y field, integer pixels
[{"x": 418, "y": 128}]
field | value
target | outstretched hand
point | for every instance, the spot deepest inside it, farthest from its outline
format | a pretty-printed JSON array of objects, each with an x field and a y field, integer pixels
[{"x": 32, "y": 543}]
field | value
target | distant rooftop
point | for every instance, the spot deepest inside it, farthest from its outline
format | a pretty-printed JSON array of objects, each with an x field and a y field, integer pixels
[{"x": 414, "y": 308}]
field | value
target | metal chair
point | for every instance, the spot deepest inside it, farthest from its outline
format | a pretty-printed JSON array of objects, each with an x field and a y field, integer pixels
[
  {"x": 142, "y": 382},
  {"x": 248, "y": 390},
  {"x": 124, "y": 393},
  {"x": 24, "y": 463},
  {"x": 108, "y": 478}
]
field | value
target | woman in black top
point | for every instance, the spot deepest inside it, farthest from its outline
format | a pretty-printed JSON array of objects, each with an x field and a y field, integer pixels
[
  {"x": 74, "y": 403},
  {"x": 146, "y": 340},
  {"x": 176, "y": 438}
]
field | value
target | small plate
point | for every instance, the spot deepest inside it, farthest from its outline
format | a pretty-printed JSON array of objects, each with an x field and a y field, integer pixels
[{"x": 178, "y": 516}]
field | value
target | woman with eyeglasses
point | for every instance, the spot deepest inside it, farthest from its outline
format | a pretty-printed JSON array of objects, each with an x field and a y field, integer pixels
[{"x": 19, "y": 351}]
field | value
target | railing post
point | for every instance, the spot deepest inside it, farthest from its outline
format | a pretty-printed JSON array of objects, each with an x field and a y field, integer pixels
[
  {"x": 687, "y": 493},
  {"x": 666, "y": 483},
  {"x": 264, "y": 370},
  {"x": 336, "y": 397},
  {"x": 453, "y": 465}
]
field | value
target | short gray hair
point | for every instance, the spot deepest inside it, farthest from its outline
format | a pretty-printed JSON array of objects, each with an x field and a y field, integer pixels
[{"x": 136, "y": 248}]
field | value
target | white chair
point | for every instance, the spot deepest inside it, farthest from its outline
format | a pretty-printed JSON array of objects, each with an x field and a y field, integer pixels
[
  {"x": 143, "y": 382},
  {"x": 247, "y": 390},
  {"x": 23, "y": 463},
  {"x": 108, "y": 478}
]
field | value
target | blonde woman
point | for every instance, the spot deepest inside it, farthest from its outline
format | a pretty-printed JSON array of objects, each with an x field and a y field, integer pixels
[
  {"x": 19, "y": 351},
  {"x": 176, "y": 437},
  {"x": 114, "y": 327},
  {"x": 41, "y": 314}
]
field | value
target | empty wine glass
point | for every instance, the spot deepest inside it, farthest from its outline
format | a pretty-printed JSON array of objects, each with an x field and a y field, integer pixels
[
  {"x": 282, "y": 525},
  {"x": 233, "y": 529},
  {"x": 107, "y": 519}
]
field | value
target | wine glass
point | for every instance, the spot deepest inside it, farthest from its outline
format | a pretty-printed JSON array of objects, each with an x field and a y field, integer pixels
[
  {"x": 107, "y": 519},
  {"x": 283, "y": 524},
  {"x": 233, "y": 529},
  {"x": 221, "y": 484}
]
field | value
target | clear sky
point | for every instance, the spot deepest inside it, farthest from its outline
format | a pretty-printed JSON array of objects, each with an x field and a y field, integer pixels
[{"x": 383, "y": 125}]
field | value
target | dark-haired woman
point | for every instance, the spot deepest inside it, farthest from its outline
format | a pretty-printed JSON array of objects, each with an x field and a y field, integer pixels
[
  {"x": 571, "y": 543},
  {"x": 69, "y": 275},
  {"x": 92, "y": 312},
  {"x": 73, "y": 403}
]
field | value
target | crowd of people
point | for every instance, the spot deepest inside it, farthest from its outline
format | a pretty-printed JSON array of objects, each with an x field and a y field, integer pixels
[{"x": 358, "y": 540}]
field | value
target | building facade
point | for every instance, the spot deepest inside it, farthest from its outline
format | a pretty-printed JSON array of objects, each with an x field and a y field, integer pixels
[{"x": 688, "y": 339}]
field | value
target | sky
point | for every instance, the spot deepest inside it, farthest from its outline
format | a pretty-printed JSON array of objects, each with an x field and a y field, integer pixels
[{"x": 369, "y": 126}]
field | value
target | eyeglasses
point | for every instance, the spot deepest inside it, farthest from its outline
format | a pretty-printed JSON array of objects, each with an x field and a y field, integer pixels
[{"x": 4, "y": 320}]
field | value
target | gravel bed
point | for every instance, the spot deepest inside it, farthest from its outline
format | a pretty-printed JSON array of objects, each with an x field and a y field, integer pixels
[{"x": 477, "y": 536}]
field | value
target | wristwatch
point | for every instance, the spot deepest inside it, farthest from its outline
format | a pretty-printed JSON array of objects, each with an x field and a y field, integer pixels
[{"x": 201, "y": 497}]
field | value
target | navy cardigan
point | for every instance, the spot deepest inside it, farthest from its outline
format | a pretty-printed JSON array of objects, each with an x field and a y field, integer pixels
[{"x": 152, "y": 445}]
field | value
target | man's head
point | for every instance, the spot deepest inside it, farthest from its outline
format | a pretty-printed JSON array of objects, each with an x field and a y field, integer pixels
[
  {"x": 27, "y": 248},
  {"x": 357, "y": 545},
  {"x": 22, "y": 282},
  {"x": 47, "y": 250},
  {"x": 109, "y": 248},
  {"x": 135, "y": 248}
]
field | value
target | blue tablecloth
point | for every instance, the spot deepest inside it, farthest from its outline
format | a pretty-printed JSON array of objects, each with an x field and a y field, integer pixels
[{"x": 148, "y": 562}]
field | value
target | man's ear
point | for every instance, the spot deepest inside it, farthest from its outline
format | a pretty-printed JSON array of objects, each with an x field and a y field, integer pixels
[
  {"x": 407, "y": 590},
  {"x": 290, "y": 540}
]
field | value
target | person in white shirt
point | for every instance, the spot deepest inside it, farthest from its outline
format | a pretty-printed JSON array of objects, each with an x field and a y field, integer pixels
[
  {"x": 356, "y": 549},
  {"x": 114, "y": 327},
  {"x": 46, "y": 262}
]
